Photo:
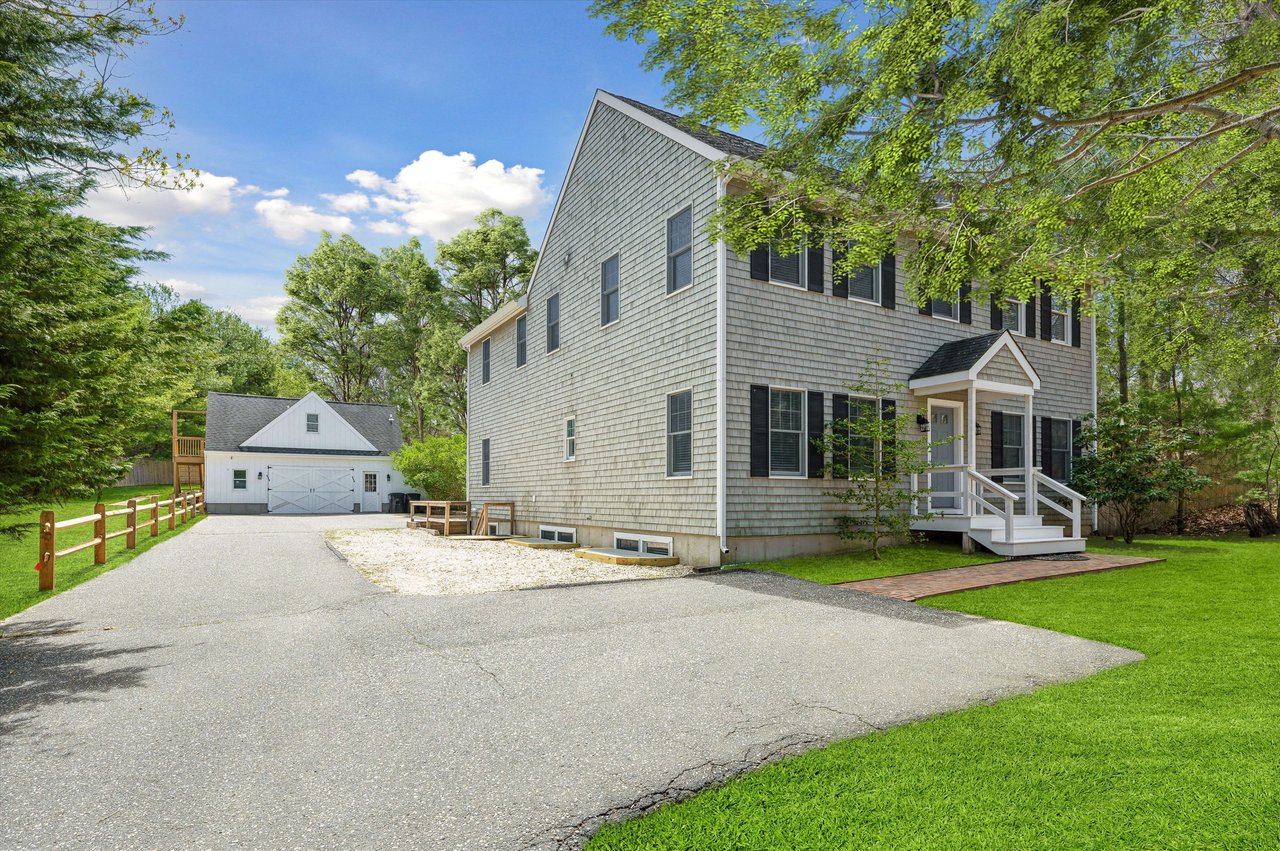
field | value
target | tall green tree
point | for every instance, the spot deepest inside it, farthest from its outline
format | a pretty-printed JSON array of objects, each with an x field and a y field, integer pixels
[
  {"x": 415, "y": 286},
  {"x": 338, "y": 295},
  {"x": 76, "y": 383},
  {"x": 486, "y": 266}
]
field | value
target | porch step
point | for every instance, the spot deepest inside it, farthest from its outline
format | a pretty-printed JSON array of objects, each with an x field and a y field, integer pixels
[{"x": 1044, "y": 544}]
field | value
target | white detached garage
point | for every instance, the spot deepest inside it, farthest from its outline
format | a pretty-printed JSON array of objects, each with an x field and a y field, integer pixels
[{"x": 265, "y": 454}]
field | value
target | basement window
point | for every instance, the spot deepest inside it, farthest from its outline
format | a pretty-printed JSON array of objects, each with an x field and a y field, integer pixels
[
  {"x": 653, "y": 545},
  {"x": 559, "y": 534}
]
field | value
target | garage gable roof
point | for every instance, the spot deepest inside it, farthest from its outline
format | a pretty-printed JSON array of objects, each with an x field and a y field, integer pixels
[{"x": 234, "y": 418}]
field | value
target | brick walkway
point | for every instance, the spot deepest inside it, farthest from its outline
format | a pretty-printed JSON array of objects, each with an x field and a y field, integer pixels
[{"x": 913, "y": 586}]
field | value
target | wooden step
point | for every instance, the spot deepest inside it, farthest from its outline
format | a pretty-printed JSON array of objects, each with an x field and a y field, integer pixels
[
  {"x": 542, "y": 544},
  {"x": 612, "y": 556}
]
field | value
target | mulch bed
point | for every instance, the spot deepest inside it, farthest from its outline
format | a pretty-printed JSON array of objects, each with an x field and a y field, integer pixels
[{"x": 1213, "y": 521}]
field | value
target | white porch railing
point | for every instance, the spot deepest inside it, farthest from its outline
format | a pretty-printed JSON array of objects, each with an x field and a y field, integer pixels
[
  {"x": 976, "y": 493},
  {"x": 1072, "y": 510}
]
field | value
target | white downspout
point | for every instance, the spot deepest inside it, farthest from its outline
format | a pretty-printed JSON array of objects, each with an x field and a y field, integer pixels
[{"x": 722, "y": 472}]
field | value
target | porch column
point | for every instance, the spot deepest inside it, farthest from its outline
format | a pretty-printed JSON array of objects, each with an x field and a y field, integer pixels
[
  {"x": 971, "y": 428},
  {"x": 1028, "y": 456}
]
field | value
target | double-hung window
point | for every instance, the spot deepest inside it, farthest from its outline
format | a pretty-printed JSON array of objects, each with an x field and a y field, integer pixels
[
  {"x": 786, "y": 269},
  {"x": 786, "y": 432},
  {"x": 1011, "y": 315},
  {"x": 1060, "y": 320},
  {"x": 862, "y": 447},
  {"x": 570, "y": 439},
  {"x": 484, "y": 362},
  {"x": 680, "y": 434},
  {"x": 680, "y": 250},
  {"x": 239, "y": 479},
  {"x": 553, "y": 323},
  {"x": 944, "y": 309},
  {"x": 1058, "y": 464},
  {"x": 1011, "y": 439},
  {"x": 609, "y": 291},
  {"x": 313, "y": 423},
  {"x": 522, "y": 341},
  {"x": 484, "y": 461},
  {"x": 865, "y": 285}
]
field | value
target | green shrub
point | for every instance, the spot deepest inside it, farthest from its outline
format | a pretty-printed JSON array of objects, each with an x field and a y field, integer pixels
[{"x": 436, "y": 466}]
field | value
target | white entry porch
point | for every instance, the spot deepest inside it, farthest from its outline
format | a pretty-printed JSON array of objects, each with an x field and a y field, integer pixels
[{"x": 998, "y": 508}]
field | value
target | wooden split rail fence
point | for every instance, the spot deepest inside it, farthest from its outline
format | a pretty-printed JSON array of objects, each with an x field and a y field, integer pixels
[{"x": 178, "y": 509}]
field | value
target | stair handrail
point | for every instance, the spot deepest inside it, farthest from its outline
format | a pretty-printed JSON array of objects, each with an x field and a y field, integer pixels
[
  {"x": 993, "y": 485},
  {"x": 1076, "y": 499}
]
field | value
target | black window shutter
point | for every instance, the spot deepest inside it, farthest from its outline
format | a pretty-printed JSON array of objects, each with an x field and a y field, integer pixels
[
  {"x": 966, "y": 305},
  {"x": 889, "y": 281},
  {"x": 887, "y": 412},
  {"x": 1046, "y": 447},
  {"x": 926, "y": 309},
  {"x": 760, "y": 263},
  {"x": 1046, "y": 313},
  {"x": 840, "y": 442},
  {"x": 997, "y": 439},
  {"x": 817, "y": 428},
  {"x": 997, "y": 315},
  {"x": 1031, "y": 317},
  {"x": 816, "y": 282},
  {"x": 759, "y": 430},
  {"x": 1075, "y": 322},
  {"x": 839, "y": 280}
]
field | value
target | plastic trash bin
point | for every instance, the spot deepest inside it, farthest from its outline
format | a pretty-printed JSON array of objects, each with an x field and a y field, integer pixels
[{"x": 399, "y": 505}]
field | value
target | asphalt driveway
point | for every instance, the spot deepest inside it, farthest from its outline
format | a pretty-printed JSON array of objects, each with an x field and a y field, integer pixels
[{"x": 240, "y": 686}]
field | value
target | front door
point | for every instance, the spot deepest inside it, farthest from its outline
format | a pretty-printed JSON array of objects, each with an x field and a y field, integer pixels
[
  {"x": 370, "y": 499},
  {"x": 944, "y": 424}
]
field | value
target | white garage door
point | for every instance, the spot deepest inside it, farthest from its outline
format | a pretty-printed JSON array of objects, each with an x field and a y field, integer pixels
[{"x": 310, "y": 490}]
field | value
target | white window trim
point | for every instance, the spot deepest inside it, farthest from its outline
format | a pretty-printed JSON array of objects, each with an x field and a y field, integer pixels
[
  {"x": 1066, "y": 324},
  {"x": 235, "y": 478},
  {"x": 486, "y": 360},
  {"x": 525, "y": 320},
  {"x": 1022, "y": 433},
  {"x": 559, "y": 530},
  {"x": 876, "y": 452},
  {"x": 547, "y": 323},
  {"x": 878, "y": 293},
  {"x": 666, "y": 236},
  {"x": 804, "y": 434},
  {"x": 1021, "y": 312},
  {"x": 307, "y": 424},
  {"x": 803, "y": 263},
  {"x": 645, "y": 540},
  {"x": 666, "y": 434},
  {"x": 956, "y": 310},
  {"x": 570, "y": 456},
  {"x": 617, "y": 256}
]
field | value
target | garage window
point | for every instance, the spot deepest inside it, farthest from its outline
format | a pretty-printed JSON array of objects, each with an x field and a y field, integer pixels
[
  {"x": 239, "y": 479},
  {"x": 313, "y": 423}
]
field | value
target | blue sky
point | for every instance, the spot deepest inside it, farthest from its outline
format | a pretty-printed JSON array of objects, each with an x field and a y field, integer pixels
[{"x": 303, "y": 115}]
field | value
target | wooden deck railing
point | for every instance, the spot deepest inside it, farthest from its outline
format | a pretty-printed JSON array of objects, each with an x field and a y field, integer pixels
[{"x": 180, "y": 507}]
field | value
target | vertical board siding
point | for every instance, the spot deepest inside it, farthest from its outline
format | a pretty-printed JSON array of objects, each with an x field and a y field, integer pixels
[
  {"x": 627, "y": 181},
  {"x": 787, "y": 337}
]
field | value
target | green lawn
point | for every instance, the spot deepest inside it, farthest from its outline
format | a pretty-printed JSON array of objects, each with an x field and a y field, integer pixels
[
  {"x": 848, "y": 567},
  {"x": 19, "y": 581},
  {"x": 1178, "y": 751}
]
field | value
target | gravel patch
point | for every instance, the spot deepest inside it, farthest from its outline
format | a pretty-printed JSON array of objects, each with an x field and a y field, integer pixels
[{"x": 411, "y": 561}]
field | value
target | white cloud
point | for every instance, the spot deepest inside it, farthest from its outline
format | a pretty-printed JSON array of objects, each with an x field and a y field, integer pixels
[
  {"x": 151, "y": 206},
  {"x": 386, "y": 227},
  {"x": 186, "y": 289},
  {"x": 254, "y": 189},
  {"x": 348, "y": 202},
  {"x": 439, "y": 194},
  {"x": 260, "y": 310},
  {"x": 293, "y": 222}
]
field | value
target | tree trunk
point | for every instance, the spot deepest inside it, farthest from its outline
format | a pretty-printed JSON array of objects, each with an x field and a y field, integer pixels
[
  {"x": 1259, "y": 519},
  {"x": 1122, "y": 354}
]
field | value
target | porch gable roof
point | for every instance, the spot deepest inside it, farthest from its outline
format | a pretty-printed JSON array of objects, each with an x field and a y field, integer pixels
[{"x": 961, "y": 361}]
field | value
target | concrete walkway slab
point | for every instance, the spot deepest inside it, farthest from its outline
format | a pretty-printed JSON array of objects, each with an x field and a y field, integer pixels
[
  {"x": 239, "y": 686},
  {"x": 932, "y": 583}
]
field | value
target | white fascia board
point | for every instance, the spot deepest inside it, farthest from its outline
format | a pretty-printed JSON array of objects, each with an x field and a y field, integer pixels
[
  {"x": 1006, "y": 342},
  {"x": 496, "y": 320}
]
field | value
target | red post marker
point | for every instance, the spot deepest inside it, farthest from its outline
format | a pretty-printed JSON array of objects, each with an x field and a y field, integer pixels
[{"x": 37, "y": 567}]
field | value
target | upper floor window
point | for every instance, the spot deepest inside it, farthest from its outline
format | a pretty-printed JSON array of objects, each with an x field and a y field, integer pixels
[
  {"x": 1060, "y": 321},
  {"x": 553, "y": 323},
  {"x": 680, "y": 250},
  {"x": 484, "y": 461},
  {"x": 484, "y": 362},
  {"x": 1011, "y": 315},
  {"x": 239, "y": 479},
  {"x": 865, "y": 284},
  {"x": 680, "y": 433},
  {"x": 786, "y": 269},
  {"x": 609, "y": 290},
  {"x": 313, "y": 423},
  {"x": 522, "y": 337},
  {"x": 786, "y": 432},
  {"x": 570, "y": 439},
  {"x": 945, "y": 309}
]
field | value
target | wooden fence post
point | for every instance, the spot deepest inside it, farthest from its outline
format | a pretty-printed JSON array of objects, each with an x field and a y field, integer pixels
[
  {"x": 155, "y": 516},
  {"x": 173, "y": 510},
  {"x": 48, "y": 546},
  {"x": 131, "y": 537},
  {"x": 100, "y": 532},
  {"x": 182, "y": 500}
]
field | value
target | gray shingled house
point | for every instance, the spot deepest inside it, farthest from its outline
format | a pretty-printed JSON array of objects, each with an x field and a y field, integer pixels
[
  {"x": 655, "y": 392},
  {"x": 299, "y": 456}
]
